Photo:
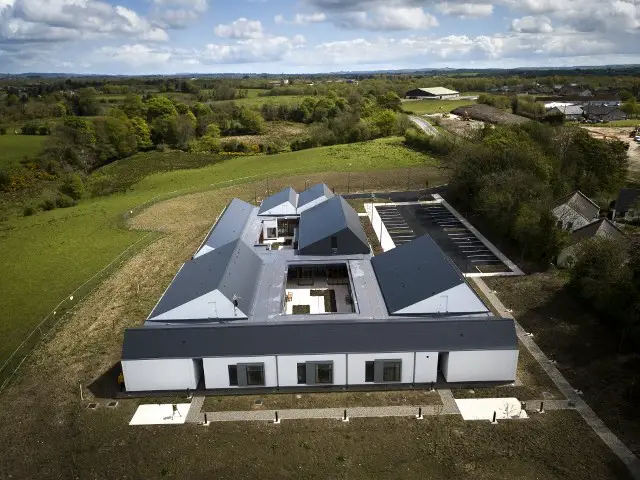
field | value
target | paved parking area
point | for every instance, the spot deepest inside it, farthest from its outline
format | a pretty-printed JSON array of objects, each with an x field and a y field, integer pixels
[{"x": 407, "y": 221}]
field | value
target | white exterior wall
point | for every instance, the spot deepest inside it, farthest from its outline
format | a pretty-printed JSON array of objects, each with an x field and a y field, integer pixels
[
  {"x": 170, "y": 374},
  {"x": 381, "y": 230},
  {"x": 426, "y": 365},
  {"x": 357, "y": 366},
  {"x": 288, "y": 368},
  {"x": 481, "y": 366},
  {"x": 216, "y": 371}
]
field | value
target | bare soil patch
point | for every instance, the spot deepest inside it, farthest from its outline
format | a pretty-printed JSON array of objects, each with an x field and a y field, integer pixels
[{"x": 487, "y": 113}]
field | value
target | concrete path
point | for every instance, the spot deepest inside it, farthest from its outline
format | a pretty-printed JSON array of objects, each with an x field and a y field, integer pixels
[
  {"x": 613, "y": 442},
  {"x": 194, "y": 411},
  {"x": 424, "y": 125}
]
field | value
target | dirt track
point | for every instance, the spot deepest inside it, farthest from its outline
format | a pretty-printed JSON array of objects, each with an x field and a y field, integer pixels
[{"x": 621, "y": 133}]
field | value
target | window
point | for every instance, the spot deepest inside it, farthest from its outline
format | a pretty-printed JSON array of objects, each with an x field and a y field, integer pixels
[
  {"x": 302, "y": 373},
  {"x": 369, "y": 370},
  {"x": 391, "y": 371},
  {"x": 271, "y": 233},
  {"x": 233, "y": 375},
  {"x": 334, "y": 242},
  {"x": 255, "y": 374},
  {"x": 324, "y": 373}
]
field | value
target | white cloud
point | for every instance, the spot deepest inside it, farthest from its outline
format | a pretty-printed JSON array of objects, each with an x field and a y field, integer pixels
[
  {"x": 531, "y": 24},
  {"x": 301, "y": 18},
  {"x": 135, "y": 54},
  {"x": 386, "y": 19},
  {"x": 466, "y": 10},
  {"x": 178, "y": 13},
  {"x": 240, "y": 28},
  {"x": 58, "y": 20}
]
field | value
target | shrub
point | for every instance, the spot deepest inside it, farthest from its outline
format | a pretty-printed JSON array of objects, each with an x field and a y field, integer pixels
[
  {"x": 28, "y": 211},
  {"x": 5, "y": 179},
  {"x": 302, "y": 143},
  {"x": 73, "y": 187},
  {"x": 44, "y": 130},
  {"x": 439, "y": 145},
  {"x": 48, "y": 204},
  {"x": 236, "y": 146},
  {"x": 64, "y": 201},
  {"x": 3, "y": 130}
]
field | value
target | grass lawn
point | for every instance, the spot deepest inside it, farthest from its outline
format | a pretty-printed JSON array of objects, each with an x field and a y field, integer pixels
[
  {"x": 617, "y": 123},
  {"x": 47, "y": 256},
  {"x": 321, "y": 400},
  {"x": 586, "y": 351},
  {"x": 14, "y": 148},
  {"x": 434, "y": 106}
]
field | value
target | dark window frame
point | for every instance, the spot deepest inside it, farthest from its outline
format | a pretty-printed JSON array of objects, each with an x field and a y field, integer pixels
[
  {"x": 369, "y": 371},
  {"x": 233, "y": 375},
  {"x": 319, "y": 365},
  {"x": 396, "y": 365},
  {"x": 302, "y": 373},
  {"x": 255, "y": 368}
]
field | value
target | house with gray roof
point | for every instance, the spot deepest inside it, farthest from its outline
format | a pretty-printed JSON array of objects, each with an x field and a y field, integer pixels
[
  {"x": 575, "y": 211},
  {"x": 315, "y": 310},
  {"x": 313, "y": 196},
  {"x": 602, "y": 228},
  {"x": 285, "y": 202}
]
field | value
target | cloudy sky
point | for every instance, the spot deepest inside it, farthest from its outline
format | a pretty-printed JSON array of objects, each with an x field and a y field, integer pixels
[{"x": 296, "y": 36}]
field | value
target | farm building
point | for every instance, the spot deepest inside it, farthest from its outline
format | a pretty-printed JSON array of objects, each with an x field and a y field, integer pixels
[
  {"x": 573, "y": 113},
  {"x": 434, "y": 93},
  {"x": 317, "y": 311},
  {"x": 601, "y": 228},
  {"x": 627, "y": 206},
  {"x": 574, "y": 211}
]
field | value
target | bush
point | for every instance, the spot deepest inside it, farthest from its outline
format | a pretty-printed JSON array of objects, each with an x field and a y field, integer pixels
[
  {"x": 236, "y": 146},
  {"x": 73, "y": 187},
  {"x": 302, "y": 144},
  {"x": 438, "y": 145},
  {"x": 5, "y": 179},
  {"x": 28, "y": 211},
  {"x": 48, "y": 204},
  {"x": 44, "y": 130},
  {"x": 3, "y": 130},
  {"x": 64, "y": 201}
]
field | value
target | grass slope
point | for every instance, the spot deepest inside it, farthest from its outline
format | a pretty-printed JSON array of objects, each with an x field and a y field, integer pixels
[
  {"x": 434, "y": 106},
  {"x": 255, "y": 101},
  {"x": 47, "y": 256},
  {"x": 14, "y": 148}
]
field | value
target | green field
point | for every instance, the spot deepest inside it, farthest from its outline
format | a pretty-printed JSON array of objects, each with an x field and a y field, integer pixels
[
  {"x": 14, "y": 148},
  {"x": 259, "y": 101},
  {"x": 618, "y": 123},
  {"x": 45, "y": 257},
  {"x": 434, "y": 106}
]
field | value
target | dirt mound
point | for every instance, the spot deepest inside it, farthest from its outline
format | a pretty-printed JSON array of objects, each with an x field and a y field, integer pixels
[{"x": 486, "y": 113}]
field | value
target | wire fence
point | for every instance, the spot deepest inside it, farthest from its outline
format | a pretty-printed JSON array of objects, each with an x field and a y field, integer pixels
[{"x": 264, "y": 184}]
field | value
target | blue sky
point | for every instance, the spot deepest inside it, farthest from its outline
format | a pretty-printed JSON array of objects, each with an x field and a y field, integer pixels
[{"x": 297, "y": 36}]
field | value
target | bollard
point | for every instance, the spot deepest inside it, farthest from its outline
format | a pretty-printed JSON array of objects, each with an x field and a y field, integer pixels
[
  {"x": 206, "y": 420},
  {"x": 419, "y": 416},
  {"x": 541, "y": 407},
  {"x": 276, "y": 420},
  {"x": 344, "y": 416},
  {"x": 494, "y": 418},
  {"x": 432, "y": 386},
  {"x": 523, "y": 405}
]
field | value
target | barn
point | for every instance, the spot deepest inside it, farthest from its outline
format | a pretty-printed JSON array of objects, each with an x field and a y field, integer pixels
[
  {"x": 241, "y": 316},
  {"x": 433, "y": 93}
]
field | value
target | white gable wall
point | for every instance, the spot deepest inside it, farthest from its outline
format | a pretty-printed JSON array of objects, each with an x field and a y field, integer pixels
[
  {"x": 169, "y": 374},
  {"x": 481, "y": 366},
  {"x": 214, "y": 303},
  {"x": 311, "y": 204},
  {"x": 216, "y": 370},
  {"x": 458, "y": 299}
]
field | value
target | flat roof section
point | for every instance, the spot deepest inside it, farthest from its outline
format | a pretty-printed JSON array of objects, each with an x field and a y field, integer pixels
[{"x": 406, "y": 335}]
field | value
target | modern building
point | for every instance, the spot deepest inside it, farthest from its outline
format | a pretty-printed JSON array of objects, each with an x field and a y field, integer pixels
[
  {"x": 575, "y": 210},
  {"x": 433, "y": 93},
  {"x": 306, "y": 305}
]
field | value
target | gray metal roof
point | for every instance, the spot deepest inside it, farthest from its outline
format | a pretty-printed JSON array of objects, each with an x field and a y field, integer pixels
[
  {"x": 406, "y": 335},
  {"x": 286, "y": 195},
  {"x": 627, "y": 199},
  {"x": 313, "y": 193},
  {"x": 233, "y": 269},
  {"x": 416, "y": 271},
  {"x": 327, "y": 219},
  {"x": 602, "y": 228},
  {"x": 230, "y": 225}
]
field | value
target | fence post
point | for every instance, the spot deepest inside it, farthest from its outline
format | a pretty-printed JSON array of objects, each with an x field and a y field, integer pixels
[
  {"x": 419, "y": 416},
  {"x": 494, "y": 418}
]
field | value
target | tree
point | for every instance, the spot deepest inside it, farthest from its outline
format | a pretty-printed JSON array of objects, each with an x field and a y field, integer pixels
[
  {"x": 115, "y": 138},
  {"x": 384, "y": 122},
  {"x": 142, "y": 133},
  {"x": 73, "y": 186},
  {"x": 185, "y": 130},
  {"x": 133, "y": 106},
  {"x": 390, "y": 101},
  {"x": 164, "y": 130},
  {"x": 160, "y": 107},
  {"x": 630, "y": 107}
]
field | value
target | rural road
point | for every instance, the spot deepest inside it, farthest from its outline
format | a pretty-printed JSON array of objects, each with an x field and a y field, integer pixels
[{"x": 425, "y": 126}]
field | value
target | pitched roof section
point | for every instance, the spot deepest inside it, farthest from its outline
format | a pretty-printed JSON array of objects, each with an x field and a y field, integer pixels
[
  {"x": 205, "y": 287},
  {"x": 582, "y": 204},
  {"x": 438, "y": 91},
  {"x": 229, "y": 226},
  {"x": 312, "y": 196},
  {"x": 285, "y": 202},
  {"x": 627, "y": 199},
  {"x": 418, "y": 279},
  {"x": 403, "y": 335},
  {"x": 332, "y": 218},
  {"x": 602, "y": 228}
]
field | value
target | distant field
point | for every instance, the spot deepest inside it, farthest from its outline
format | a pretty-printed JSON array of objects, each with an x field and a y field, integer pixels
[
  {"x": 14, "y": 148},
  {"x": 79, "y": 241},
  {"x": 434, "y": 106},
  {"x": 618, "y": 123},
  {"x": 280, "y": 100}
]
